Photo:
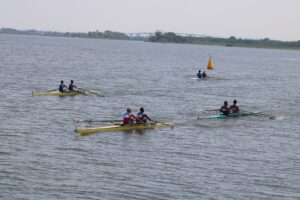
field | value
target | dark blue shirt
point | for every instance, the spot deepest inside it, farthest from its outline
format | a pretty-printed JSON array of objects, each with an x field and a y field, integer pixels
[
  {"x": 61, "y": 87},
  {"x": 71, "y": 87}
]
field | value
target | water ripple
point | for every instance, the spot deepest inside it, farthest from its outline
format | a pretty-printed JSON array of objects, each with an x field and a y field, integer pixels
[{"x": 245, "y": 158}]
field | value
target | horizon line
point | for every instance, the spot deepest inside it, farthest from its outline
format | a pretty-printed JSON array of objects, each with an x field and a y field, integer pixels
[{"x": 152, "y": 33}]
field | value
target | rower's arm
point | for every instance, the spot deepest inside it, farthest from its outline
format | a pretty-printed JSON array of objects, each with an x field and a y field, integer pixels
[
  {"x": 136, "y": 119},
  {"x": 148, "y": 117}
]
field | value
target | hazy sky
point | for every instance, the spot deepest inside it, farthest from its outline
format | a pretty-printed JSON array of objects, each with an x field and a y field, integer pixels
[{"x": 275, "y": 19}]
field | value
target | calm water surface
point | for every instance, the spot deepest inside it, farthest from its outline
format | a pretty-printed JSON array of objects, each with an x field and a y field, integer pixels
[{"x": 245, "y": 158}]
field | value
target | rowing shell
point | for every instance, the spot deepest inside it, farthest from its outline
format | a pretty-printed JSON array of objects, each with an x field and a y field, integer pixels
[
  {"x": 67, "y": 93},
  {"x": 230, "y": 115},
  {"x": 120, "y": 127},
  {"x": 197, "y": 78}
]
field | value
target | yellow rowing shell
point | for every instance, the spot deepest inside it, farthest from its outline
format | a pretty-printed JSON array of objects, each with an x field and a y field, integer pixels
[
  {"x": 67, "y": 93},
  {"x": 119, "y": 127}
]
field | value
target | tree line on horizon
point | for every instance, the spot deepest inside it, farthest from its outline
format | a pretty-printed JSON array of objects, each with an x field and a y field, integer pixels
[
  {"x": 170, "y": 37},
  {"x": 91, "y": 34},
  {"x": 167, "y": 37}
]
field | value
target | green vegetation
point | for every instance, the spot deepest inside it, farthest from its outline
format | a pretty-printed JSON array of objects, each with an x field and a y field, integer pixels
[
  {"x": 93, "y": 34},
  {"x": 229, "y": 42},
  {"x": 168, "y": 37}
]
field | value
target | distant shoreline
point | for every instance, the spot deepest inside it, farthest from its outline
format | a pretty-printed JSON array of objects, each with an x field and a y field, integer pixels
[
  {"x": 168, "y": 37},
  {"x": 228, "y": 42},
  {"x": 93, "y": 34}
]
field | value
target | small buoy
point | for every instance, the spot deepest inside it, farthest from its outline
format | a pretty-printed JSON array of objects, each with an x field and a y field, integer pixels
[{"x": 210, "y": 64}]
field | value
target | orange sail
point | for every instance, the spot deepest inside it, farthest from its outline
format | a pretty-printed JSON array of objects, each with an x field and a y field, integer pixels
[{"x": 210, "y": 64}]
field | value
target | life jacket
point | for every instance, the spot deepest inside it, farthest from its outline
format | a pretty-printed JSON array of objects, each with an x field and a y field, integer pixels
[
  {"x": 225, "y": 110},
  {"x": 61, "y": 87},
  {"x": 127, "y": 118}
]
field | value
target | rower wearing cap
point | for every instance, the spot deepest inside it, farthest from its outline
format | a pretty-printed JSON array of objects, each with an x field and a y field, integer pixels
[
  {"x": 128, "y": 117},
  {"x": 234, "y": 108},
  {"x": 62, "y": 87},
  {"x": 142, "y": 116},
  {"x": 224, "y": 109}
]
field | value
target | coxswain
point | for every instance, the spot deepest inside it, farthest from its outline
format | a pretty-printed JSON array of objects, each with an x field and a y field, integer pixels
[
  {"x": 234, "y": 108},
  {"x": 128, "y": 117},
  {"x": 204, "y": 75},
  {"x": 199, "y": 75},
  {"x": 62, "y": 86},
  {"x": 72, "y": 86},
  {"x": 142, "y": 116},
  {"x": 224, "y": 109}
]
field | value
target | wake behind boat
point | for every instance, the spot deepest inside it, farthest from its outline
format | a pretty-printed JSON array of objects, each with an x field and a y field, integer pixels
[{"x": 121, "y": 127}]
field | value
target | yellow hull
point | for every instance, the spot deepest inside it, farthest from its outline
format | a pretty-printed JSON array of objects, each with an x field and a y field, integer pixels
[
  {"x": 68, "y": 93},
  {"x": 119, "y": 127}
]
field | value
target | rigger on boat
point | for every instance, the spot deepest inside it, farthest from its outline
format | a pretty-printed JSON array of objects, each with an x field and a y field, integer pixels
[
  {"x": 63, "y": 90},
  {"x": 228, "y": 112},
  {"x": 67, "y": 93}
]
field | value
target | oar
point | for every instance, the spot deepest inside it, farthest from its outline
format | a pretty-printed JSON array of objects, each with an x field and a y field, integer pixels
[
  {"x": 95, "y": 120},
  {"x": 52, "y": 90},
  {"x": 212, "y": 110},
  {"x": 88, "y": 91},
  {"x": 161, "y": 123},
  {"x": 269, "y": 116},
  {"x": 94, "y": 92},
  {"x": 81, "y": 92},
  {"x": 258, "y": 114}
]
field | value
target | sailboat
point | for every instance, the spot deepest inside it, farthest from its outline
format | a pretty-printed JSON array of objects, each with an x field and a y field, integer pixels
[{"x": 210, "y": 64}]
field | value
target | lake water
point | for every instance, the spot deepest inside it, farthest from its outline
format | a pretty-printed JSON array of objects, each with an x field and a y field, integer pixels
[{"x": 41, "y": 157}]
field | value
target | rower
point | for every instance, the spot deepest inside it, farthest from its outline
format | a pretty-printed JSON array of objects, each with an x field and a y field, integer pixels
[
  {"x": 72, "y": 86},
  {"x": 62, "y": 86},
  {"x": 234, "y": 108},
  {"x": 224, "y": 109},
  {"x": 142, "y": 116},
  {"x": 199, "y": 75},
  {"x": 204, "y": 75},
  {"x": 128, "y": 117}
]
